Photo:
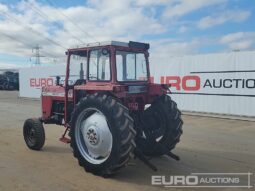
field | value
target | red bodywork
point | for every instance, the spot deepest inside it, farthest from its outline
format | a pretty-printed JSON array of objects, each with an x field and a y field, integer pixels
[{"x": 66, "y": 95}]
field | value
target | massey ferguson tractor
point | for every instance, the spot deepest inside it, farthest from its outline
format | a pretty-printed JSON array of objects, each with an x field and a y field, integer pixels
[{"x": 111, "y": 112}]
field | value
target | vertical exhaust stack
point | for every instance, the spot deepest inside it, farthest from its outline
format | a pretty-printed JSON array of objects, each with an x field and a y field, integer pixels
[{"x": 81, "y": 72}]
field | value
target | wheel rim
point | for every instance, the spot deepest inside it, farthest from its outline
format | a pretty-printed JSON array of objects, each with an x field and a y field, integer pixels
[
  {"x": 93, "y": 136},
  {"x": 30, "y": 136}
]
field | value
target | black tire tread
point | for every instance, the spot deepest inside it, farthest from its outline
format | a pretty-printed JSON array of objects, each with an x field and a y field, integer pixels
[
  {"x": 125, "y": 129},
  {"x": 175, "y": 123},
  {"x": 39, "y": 133}
]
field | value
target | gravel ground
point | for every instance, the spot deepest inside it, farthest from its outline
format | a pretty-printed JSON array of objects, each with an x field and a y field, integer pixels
[{"x": 207, "y": 145}]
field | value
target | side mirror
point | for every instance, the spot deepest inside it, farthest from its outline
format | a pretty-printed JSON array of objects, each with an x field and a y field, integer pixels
[
  {"x": 105, "y": 51},
  {"x": 57, "y": 80}
]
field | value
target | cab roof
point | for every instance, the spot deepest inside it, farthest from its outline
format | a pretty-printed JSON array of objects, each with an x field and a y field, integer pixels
[{"x": 130, "y": 44}]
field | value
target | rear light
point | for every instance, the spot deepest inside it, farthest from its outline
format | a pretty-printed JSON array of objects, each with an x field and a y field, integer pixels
[
  {"x": 166, "y": 86},
  {"x": 117, "y": 89}
]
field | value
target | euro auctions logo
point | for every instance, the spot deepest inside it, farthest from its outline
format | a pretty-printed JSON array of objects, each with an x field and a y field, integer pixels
[
  {"x": 41, "y": 82},
  {"x": 214, "y": 83},
  {"x": 186, "y": 83},
  {"x": 204, "y": 180},
  {"x": 174, "y": 180},
  {"x": 193, "y": 83}
]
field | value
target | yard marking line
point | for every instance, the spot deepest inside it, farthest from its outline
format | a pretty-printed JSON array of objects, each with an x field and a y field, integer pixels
[
  {"x": 249, "y": 180},
  {"x": 214, "y": 72},
  {"x": 215, "y": 173},
  {"x": 207, "y": 186}
]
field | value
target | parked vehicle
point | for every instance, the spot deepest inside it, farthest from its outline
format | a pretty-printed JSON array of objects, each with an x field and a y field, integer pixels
[
  {"x": 9, "y": 81},
  {"x": 106, "y": 114}
]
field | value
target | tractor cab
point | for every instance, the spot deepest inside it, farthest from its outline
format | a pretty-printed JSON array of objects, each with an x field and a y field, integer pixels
[
  {"x": 118, "y": 69},
  {"x": 109, "y": 63},
  {"x": 115, "y": 68}
]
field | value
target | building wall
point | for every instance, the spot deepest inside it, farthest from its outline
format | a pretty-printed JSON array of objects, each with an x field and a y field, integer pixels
[{"x": 213, "y": 83}]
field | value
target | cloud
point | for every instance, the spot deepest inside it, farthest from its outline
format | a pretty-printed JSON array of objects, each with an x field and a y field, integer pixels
[
  {"x": 152, "y": 2},
  {"x": 183, "y": 29},
  {"x": 179, "y": 8},
  {"x": 4, "y": 65},
  {"x": 239, "y": 40},
  {"x": 173, "y": 47},
  {"x": 28, "y": 23},
  {"x": 226, "y": 16},
  {"x": 3, "y": 7}
]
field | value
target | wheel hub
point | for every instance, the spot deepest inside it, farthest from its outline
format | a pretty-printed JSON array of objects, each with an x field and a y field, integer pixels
[{"x": 92, "y": 135}]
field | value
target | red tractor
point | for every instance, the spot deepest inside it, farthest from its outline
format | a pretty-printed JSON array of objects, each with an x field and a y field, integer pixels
[{"x": 112, "y": 113}]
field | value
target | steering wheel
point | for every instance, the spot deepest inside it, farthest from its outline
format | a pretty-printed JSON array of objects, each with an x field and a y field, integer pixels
[{"x": 93, "y": 77}]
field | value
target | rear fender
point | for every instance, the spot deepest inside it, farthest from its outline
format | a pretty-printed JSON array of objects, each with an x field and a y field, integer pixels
[{"x": 157, "y": 90}]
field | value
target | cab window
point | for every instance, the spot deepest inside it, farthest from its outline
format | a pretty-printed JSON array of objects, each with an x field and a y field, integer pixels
[
  {"x": 99, "y": 65},
  {"x": 78, "y": 61}
]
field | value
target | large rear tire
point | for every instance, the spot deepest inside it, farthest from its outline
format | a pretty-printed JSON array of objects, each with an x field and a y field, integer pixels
[
  {"x": 102, "y": 134},
  {"x": 161, "y": 126}
]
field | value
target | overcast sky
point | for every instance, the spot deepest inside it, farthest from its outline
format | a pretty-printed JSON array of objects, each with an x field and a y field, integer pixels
[{"x": 173, "y": 27}]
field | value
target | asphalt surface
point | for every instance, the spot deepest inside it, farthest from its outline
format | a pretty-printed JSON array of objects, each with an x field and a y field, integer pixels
[{"x": 208, "y": 145}]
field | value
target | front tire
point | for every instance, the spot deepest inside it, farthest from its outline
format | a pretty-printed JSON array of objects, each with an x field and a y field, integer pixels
[
  {"x": 102, "y": 134},
  {"x": 34, "y": 134}
]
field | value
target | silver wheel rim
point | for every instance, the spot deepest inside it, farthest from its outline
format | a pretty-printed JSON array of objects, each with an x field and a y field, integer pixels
[{"x": 93, "y": 136}]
